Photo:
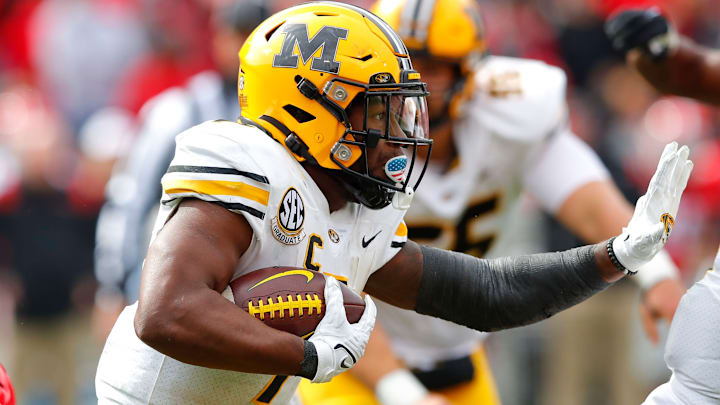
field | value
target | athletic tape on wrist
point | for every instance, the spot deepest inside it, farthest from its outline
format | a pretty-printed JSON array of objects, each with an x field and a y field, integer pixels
[
  {"x": 661, "y": 267},
  {"x": 399, "y": 387}
]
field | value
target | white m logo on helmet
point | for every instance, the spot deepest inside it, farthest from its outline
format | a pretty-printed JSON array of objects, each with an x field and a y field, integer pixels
[{"x": 327, "y": 39}]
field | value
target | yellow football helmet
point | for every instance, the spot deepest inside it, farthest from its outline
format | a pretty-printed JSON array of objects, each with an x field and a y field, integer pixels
[
  {"x": 303, "y": 67},
  {"x": 448, "y": 30}
]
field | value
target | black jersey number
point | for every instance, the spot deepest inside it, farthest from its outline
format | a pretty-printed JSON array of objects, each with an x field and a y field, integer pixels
[
  {"x": 464, "y": 240},
  {"x": 269, "y": 392}
]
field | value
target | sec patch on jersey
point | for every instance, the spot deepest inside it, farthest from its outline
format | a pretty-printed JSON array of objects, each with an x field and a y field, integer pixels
[{"x": 290, "y": 299}]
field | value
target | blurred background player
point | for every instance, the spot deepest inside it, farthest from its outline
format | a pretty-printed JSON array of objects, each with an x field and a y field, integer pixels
[
  {"x": 512, "y": 112},
  {"x": 672, "y": 63},
  {"x": 133, "y": 193},
  {"x": 676, "y": 64}
]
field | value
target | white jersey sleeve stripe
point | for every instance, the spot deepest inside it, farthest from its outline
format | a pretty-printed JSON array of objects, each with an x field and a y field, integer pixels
[{"x": 216, "y": 170}]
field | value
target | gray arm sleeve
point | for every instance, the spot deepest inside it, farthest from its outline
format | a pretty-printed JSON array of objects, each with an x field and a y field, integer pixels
[{"x": 503, "y": 293}]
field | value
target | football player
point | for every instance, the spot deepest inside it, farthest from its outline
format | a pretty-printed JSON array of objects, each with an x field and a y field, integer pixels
[
  {"x": 499, "y": 127},
  {"x": 676, "y": 65},
  {"x": 318, "y": 174},
  {"x": 691, "y": 351},
  {"x": 671, "y": 63}
]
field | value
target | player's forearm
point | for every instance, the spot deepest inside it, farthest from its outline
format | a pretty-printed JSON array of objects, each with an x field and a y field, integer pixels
[
  {"x": 509, "y": 292},
  {"x": 378, "y": 360},
  {"x": 690, "y": 71},
  {"x": 595, "y": 212},
  {"x": 180, "y": 310},
  {"x": 202, "y": 328}
]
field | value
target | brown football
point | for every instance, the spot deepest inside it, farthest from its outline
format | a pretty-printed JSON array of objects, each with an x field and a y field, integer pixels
[{"x": 291, "y": 299}]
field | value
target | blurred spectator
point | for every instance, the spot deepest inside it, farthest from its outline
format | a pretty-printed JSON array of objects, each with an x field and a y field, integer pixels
[
  {"x": 80, "y": 49},
  {"x": 178, "y": 49},
  {"x": 46, "y": 237},
  {"x": 134, "y": 190},
  {"x": 14, "y": 40},
  {"x": 9, "y": 286}
]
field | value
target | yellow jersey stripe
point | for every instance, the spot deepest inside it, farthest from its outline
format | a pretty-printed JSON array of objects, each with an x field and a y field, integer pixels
[
  {"x": 342, "y": 279},
  {"x": 401, "y": 230},
  {"x": 216, "y": 187}
]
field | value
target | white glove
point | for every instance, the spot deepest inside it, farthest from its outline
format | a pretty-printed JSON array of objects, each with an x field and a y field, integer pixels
[
  {"x": 655, "y": 212},
  {"x": 338, "y": 343}
]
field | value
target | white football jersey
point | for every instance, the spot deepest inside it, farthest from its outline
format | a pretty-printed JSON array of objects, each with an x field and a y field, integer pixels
[
  {"x": 691, "y": 351},
  {"x": 512, "y": 137},
  {"x": 249, "y": 173}
]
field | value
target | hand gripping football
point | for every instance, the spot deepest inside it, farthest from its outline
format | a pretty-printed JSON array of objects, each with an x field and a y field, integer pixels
[{"x": 290, "y": 299}]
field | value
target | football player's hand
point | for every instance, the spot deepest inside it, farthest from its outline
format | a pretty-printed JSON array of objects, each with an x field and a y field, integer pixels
[
  {"x": 338, "y": 343},
  {"x": 660, "y": 302},
  {"x": 655, "y": 212},
  {"x": 647, "y": 30}
]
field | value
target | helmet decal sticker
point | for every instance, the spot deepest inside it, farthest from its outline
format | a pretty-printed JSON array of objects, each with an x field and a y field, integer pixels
[{"x": 327, "y": 39}]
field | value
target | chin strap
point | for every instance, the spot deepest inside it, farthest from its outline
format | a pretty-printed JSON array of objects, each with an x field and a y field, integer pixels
[
  {"x": 292, "y": 141},
  {"x": 298, "y": 147},
  {"x": 378, "y": 199},
  {"x": 402, "y": 200}
]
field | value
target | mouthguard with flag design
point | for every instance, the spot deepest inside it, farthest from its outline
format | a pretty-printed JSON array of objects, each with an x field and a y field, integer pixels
[{"x": 396, "y": 168}]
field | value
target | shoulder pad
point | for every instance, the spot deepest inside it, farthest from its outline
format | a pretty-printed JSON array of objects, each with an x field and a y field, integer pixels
[
  {"x": 518, "y": 99},
  {"x": 223, "y": 162},
  {"x": 231, "y": 144}
]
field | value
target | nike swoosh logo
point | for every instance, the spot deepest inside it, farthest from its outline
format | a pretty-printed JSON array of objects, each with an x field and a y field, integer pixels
[
  {"x": 342, "y": 363},
  {"x": 307, "y": 273},
  {"x": 365, "y": 243}
]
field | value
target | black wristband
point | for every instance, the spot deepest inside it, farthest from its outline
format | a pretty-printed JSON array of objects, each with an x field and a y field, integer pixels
[
  {"x": 615, "y": 260},
  {"x": 309, "y": 365}
]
